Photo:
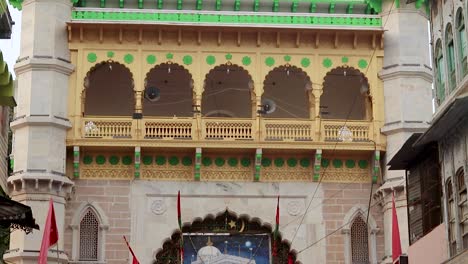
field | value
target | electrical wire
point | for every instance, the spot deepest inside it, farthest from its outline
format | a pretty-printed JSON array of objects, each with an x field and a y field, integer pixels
[
  {"x": 334, "y": 148},
  {"x": 341, "y": 227}
]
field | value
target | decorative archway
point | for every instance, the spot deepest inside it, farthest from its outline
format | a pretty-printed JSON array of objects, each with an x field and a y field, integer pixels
[
  {"x": 345, "y": 95},
  {"x": 108, "y": 90},
  {"x": 288, "y": 89},
  {"x": 168, "y": 91},
  {"x": 228, "y": 88},
  {"x": 218, "y": 234}
]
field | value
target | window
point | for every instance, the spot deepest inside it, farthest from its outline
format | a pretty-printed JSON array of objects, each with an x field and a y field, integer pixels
[
  {"x": 440, "y": 72},
  {"x": 451, "y": 218},
  {"x": 360, "y": 237},
  {"x": 89, "y": 226},
  {"x": 450, "y": 57},
  {"x": 359, "y": 242},
  {"x": 89, "y": 231},
  {"x": 462, "y": 45},
  {"x": 462, "y": 206}
]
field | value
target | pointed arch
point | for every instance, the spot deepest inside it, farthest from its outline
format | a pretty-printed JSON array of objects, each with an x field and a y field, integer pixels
[
  {"x": 173, "y": 94},
  {"x": 450, "y": 51},
  {"x": 462, "y": 43},
  {"x": 354, "y": 101},
  {"x": 440, "y": 74},
  {"x": 87, "y": 245},
  {"x": 360, "y": 237},
  {"x": 108, "y": 90},
  {"x": 228, "y": 88},
  {"x": 213, "y": 224},
  {"x": 290, "y": 88}
]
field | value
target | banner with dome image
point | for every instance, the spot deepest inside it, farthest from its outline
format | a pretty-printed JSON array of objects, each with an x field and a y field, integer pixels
[{"x": 218, "y": 248}]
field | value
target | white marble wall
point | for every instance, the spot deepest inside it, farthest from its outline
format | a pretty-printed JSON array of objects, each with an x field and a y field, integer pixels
[{"x": 154, "y": 213}]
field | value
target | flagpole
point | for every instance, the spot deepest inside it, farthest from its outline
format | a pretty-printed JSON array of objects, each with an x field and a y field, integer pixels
[{"x": 57, "y": 253}]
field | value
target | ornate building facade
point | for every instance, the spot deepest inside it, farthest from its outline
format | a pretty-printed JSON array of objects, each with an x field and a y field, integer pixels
[
  {"x": 437, "y": 196},
  {"x": 123, "y": 104}
]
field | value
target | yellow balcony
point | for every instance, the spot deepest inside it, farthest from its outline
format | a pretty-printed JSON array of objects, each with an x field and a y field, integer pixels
[{"x": 218, "y": 132}]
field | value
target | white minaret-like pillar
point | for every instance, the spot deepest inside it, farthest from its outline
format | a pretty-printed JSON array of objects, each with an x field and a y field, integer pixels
[
  {"x": 40, "y": 124},
  {"x": 407, "y": 78}
]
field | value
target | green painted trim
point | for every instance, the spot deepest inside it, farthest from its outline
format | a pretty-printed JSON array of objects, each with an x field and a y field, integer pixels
[
  {"x": 294, "y": 5},
  {"x": 349, "y": 9},
  {"x": 275, "y": 7},
  {"x": 199, "y": 5},
  {"x": 218, "y": 5},
  {"x": 241, "y": 19},
  {"x": 121, "y": 3},
  {"x": 331, "y": 8},
  {"x": 256, "y": 5},
  {"x": 237, "y": 4},
  {"x": 160, "y": 4},
  {"x": 179, "y": 4}
]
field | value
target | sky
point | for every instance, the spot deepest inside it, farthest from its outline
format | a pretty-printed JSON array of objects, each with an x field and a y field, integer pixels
[{"x": 10, "y": 47}]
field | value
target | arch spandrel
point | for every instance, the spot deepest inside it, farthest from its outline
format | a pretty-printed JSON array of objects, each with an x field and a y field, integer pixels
[
  {"x": 220, "y": 224},
  {"x": 189, "y": 60},
  {"x": 247, "y": 61},
  {"x": 129, "y": 58}
]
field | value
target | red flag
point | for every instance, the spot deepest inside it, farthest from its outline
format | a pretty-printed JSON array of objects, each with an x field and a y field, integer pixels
[
  {"x": 179, "y": 220},
  {"x": 290, "y": 259},
  {"x": 50, "y": 236},
  {"x": 275, "y": 234},
  {"x": 179, "y": 215},
  {"x": 396, "y": 244},
  {"x": 135, "y": 260}
]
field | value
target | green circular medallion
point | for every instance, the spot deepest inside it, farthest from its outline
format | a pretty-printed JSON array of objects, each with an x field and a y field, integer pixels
[
  {"x": 246, "y": 60},
  {"x": 92, "y": 57},
  {"x": 151, "y": 59},
  {"x": 128, "y": 58},
  {"x": 210, "y": 59}
]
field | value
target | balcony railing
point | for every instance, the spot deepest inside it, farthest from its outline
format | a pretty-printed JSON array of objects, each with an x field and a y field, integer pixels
[
  {"x": 227, "y": 129},
  {"x": 288, "y": 130},
  {"x": 168, "y": 129}
]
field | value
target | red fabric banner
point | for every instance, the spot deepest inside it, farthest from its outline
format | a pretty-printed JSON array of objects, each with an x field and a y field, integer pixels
[
  {"x": 396, "y": 243},
  {"x": 50, "y": 236},
  {"x": 135, "y": 260}
]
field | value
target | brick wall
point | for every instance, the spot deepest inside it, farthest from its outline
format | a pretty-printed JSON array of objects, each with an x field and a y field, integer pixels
[
  {"x": 339, "y": 198},
  {"x": 113, "y": 197}
]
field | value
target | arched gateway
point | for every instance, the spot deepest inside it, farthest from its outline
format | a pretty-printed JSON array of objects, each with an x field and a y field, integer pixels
[{"x": 226, "y": 238}]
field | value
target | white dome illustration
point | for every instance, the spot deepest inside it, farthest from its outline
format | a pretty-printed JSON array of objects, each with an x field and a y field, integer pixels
[
  {"x": 212, "y": 255},
  {"x": 208, "y": 252}
]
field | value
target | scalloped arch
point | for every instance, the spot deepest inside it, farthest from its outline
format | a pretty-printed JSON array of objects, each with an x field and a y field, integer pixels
[
  {"x": 254, "y": 225},
  {"x": 228, "y": 88},
  {"x": 99, "y": 64},
  {"x": 176, "y": 91},
  {"x": 297, "y": 101},
  {"x": 217, "y": 67},
  {"x": 108, "y": 76},
  {"x": 169, "y": 63}
]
